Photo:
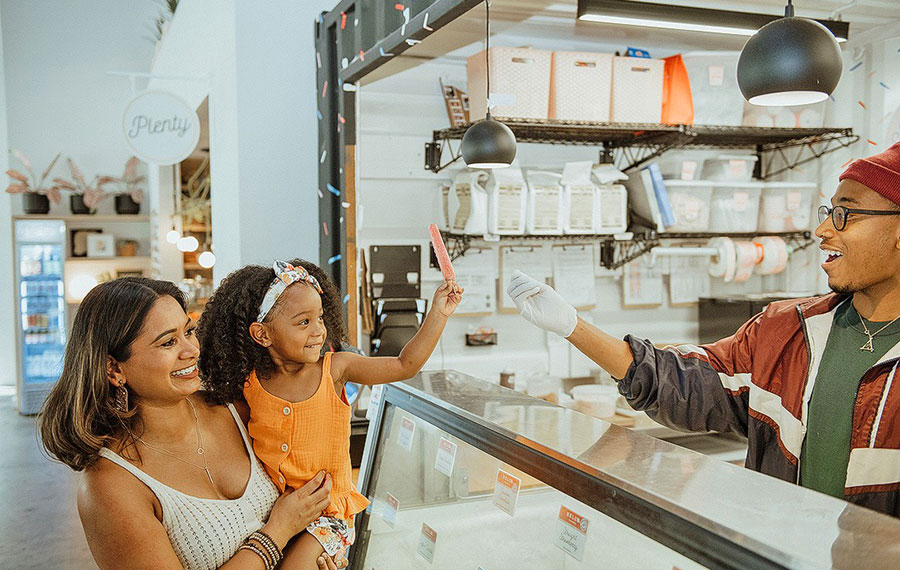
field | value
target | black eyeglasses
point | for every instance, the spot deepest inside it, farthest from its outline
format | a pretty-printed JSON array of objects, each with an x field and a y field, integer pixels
[{"x": 839, "y": 214}]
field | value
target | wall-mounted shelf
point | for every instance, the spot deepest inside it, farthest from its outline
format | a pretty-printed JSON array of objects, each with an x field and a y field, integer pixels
[
  {"x": 618, "y": 251},
  {"x": 134, "y": 259},
  {"x": 634, "y": 143},
  {"x": 86, "y": 218}
]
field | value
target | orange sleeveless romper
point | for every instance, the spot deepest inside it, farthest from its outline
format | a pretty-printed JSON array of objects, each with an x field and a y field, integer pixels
[{"x": 295, "y": 440}]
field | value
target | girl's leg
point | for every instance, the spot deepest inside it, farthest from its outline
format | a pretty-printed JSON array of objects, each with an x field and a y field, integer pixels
[{"x": 302, "y": 552}]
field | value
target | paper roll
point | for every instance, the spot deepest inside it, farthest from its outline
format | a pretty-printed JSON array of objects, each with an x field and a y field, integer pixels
[
  {"x": 723, "y": 263},
  {"x": 747, "y": 255},
  {"x": 775, "y": 255}
]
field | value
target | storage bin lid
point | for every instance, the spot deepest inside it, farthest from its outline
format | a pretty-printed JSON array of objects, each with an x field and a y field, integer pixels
[
  {"x": 810, "y": 185},
  {"x": 676, "y": 183}
]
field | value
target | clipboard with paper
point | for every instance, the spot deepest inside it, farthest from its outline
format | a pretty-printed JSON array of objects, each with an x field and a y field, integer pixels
[
  {"x": 531, "y": 259},
  {"x": 476, "y": 272},
  {"x": 573, "y": 274}
]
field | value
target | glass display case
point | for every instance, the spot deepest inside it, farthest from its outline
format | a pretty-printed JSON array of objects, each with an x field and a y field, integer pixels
[{"x": 465, "y": 474}]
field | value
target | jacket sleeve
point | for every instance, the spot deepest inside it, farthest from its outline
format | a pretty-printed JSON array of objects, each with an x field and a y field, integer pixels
[{"x": 694, "y": 388}]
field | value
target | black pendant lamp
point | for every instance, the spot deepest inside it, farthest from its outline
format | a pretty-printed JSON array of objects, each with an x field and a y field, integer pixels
[
  {"x": 488, "y": 143},
  {"x": 791, "y": 61}
]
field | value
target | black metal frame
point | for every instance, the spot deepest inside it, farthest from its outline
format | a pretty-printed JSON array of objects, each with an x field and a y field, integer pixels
[
  {"x": 682, "y": 536},
  {"x": 633, "y": 144},
  {"x": 615, "y": 253}
]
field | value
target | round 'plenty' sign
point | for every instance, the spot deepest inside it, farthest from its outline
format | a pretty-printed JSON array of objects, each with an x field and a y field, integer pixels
[{"x": 160, "y": 128}]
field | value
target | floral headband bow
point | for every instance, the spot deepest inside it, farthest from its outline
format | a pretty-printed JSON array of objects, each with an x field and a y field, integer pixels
[{"x": 285, "y": 274}]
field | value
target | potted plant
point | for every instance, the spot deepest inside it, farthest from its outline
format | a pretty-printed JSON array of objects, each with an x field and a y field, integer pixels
[
  {"x": 36, "y": 197},
  {"x": 86, "y": 196},
  {"x": 129, "y": 195}
]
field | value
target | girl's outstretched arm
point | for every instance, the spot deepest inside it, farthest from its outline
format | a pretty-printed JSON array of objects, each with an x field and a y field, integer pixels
[{"x": 349, "y": 367}]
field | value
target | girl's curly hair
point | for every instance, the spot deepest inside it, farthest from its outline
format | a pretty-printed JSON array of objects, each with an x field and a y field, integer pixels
[{"x": 227, "y": 353}]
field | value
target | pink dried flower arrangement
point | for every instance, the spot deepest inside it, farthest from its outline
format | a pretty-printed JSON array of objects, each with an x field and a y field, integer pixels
[
  {"x": 22, "y": 182},
  {"x": 129, "y": 182},
  {"x": 92, "y": 191}
]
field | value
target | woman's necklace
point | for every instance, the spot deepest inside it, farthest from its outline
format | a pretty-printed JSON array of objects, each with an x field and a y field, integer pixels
[
  {"x": 869, "y": 346},
  {"x": 199, "y": 451}
]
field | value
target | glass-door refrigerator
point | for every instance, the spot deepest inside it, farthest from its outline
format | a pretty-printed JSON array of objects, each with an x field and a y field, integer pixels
[{"x": 41, "y": 323}]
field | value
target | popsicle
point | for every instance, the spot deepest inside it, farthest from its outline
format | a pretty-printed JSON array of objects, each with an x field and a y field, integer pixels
[{"x": 441, "y": 252}]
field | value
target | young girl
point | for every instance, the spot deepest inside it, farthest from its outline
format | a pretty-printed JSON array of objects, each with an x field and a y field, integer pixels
[{"x": 263, "y": 335}]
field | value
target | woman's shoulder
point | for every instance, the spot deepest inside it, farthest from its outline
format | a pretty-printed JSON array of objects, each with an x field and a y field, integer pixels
[{"x": 106, "y": 489}]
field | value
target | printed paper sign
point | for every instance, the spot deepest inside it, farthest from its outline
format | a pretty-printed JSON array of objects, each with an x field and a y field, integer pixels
[
  {"x": 391, "y": 506},
  {"x": 407, "y": 431},
  {"x": 737, "y": 169},
  {"x": 446, "y": 455},
  {"x": 427, "y": 543},
  {"x": 571, "y": 533},
  {"x": 506, "y": 492},
  {"x": 374, "y": 401},
  {"x": 688, "y": 169},
  {"x": 716, "y": 75}
]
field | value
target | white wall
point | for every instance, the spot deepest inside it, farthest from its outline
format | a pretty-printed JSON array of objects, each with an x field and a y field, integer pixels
[
  {"x": 256, "y": 63},
  {"x": 7, "y": 287},
  {"x": 396, "y": 118}
]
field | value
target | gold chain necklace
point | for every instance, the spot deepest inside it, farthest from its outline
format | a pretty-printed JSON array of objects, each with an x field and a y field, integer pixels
[
  {"x": 200, "y": 451},
  {"x": 869, "y": 346}
]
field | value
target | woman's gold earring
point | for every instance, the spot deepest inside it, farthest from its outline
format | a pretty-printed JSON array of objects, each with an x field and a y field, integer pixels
[{"x": 121, "y": 402}]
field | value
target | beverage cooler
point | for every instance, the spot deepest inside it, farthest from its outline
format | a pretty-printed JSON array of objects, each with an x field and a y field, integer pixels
[{"x": 41, "y": 307}]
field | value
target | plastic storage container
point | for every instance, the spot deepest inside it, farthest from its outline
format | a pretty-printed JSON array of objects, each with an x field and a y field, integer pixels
[
  {"x": 637, "y": 90},
  {"x": 794, "y": 117},
  {"x": 612, "y": 209},
  {"x": 507, "y": 201},
  {"x": 520, "y": 83},
  {"x": 690, "y": 201},
  {"x": 580, "y": 86},
  {"x": 546, "y": 203},
  {"x": 735, "y": 207},
  {"x": 714, "y": 89},
  {"x": 786, "y": 206},
  {"x": 598, "y": 400},
  {"x": 730, "y": 167}
]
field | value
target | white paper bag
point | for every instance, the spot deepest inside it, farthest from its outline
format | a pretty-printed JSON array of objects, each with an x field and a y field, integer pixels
[
  {"x": 467, "y": 203},
  {"x": 545, "y": 203},
  {"x": 507, "y": 201},
  {"x": 579, "y": 198}
]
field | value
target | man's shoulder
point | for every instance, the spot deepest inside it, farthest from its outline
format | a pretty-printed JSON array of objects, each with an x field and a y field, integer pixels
[{"x": 807, "y": 306}]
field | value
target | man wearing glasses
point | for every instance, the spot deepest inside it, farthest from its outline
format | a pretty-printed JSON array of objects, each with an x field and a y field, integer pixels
[{"x": 810, "y": 382}]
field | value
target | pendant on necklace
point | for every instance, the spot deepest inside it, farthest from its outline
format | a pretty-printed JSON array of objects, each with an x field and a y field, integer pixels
[{"x": 868, "y": 346}]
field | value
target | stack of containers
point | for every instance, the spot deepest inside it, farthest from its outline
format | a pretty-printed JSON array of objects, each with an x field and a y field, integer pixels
[
  {"x": 735, "y": 199},
  {"x": 786, "y": 206},
  {"x": 690, "y": 200},
  {"x": 714, "y": 89},
  {"x": 520, "y": 83},
  {"x": 580, "y": 86}
]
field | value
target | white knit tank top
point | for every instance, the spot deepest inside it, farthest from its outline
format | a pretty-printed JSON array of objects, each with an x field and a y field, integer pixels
[{"x": 205, "y": 533}]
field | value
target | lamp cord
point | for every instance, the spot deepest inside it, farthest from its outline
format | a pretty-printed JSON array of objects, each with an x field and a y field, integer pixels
[
  {"x": 789, "y": 9},
  {"x": 487, "y": 55}
]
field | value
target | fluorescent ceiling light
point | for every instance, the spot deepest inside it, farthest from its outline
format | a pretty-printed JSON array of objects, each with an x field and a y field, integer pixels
[{"x": 671, "y": 17}]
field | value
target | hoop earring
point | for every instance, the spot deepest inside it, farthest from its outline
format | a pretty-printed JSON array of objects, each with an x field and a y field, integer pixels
[{"x": 121, "y": 400}]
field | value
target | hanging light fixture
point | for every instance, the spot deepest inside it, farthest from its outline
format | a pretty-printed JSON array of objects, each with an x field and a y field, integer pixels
[
  {"x": 791, "y": 61},
  {"x": 188, "y": 243},
  {"x": 172, "y": 236},
  {"x": 206, "y": 259},
  {"x": 488, "y": 143}
]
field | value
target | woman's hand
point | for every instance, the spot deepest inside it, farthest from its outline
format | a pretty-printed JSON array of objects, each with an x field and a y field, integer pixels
[
  {"x": 447, "y": 298},
  {"x": 296, "y": 509}
]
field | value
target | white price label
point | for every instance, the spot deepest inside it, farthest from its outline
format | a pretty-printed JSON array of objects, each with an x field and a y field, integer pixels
[
  {"x": 446, "y": 455},
  {"x": 741, "y": 199},
  {"x": 794, "y": 199},
  {"x": 571, "y": 533},
  {"x": 427, "y": 543},
  {"x": 407, "y": 431},
  {"x": 737, "y": 169},
  {"x": 506, "y": 492},
  {"x": 374, "y": 401},
  {"x": 391, "y": 506},
  {"x": 716, "y": 75},
  {"x": 688, "y": 169}
]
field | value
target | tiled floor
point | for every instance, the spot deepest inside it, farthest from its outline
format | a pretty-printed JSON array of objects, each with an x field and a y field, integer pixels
[{"x": 39, "y": 526}]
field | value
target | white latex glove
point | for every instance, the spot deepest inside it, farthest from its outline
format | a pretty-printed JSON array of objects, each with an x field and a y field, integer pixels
[{"x": 539, "y": 304}]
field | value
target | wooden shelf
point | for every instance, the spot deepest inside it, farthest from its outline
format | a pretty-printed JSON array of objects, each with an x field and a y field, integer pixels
[
  {"x": 87, "y": 218},
  {"x": 196, "y": 267}
]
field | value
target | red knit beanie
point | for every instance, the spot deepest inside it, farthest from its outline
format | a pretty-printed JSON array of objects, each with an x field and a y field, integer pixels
[{"x": 880, "y": 172}]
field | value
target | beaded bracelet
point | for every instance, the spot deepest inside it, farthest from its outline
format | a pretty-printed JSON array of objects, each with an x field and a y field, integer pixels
[
  {"x": 267, "y": 562},
  {"x": 268, "y": 543}
]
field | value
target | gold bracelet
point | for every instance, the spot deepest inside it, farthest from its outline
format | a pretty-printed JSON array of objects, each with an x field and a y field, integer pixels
[{"x": 267, "y": 562}]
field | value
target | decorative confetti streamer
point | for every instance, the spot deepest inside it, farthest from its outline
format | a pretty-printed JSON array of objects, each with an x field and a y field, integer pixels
[
  {"x": 340, "y": 82},
  {"x": 319, "y": 114},
  {"x": 324, "y": 88},
  {"x": 325, "y": 228},
  {"x": 345, "y": 204},
  {"x": 882, "y": 83},
  {"x": 846, "y": 163},
  {"x": 346, "y": 298},
  {"x": 319, "y": 190},
  {"x": 383, "y": 53},
  {"x": 341, "y": 220},
  {"x": 869, "y": 76},
  {"x": 322, "y": 158},
  {"x": 425, "y": 24},
  {"x": 861, "y": 104},
  {"x": 341, "y": 119},
  {"x": 871, "y": 142},
  {"x": 343, "y": 19},
  {"x": 333, "y": 190},
  {"x": 832, "y": 98},
  {"x": 855, "y": 65},
  {"x": 318, "y": 60},
  {"x": 362, "y": 55},
  {"x": 398, "y": 7},
  {"x": 355, "y": 22},
  {"x": 332, "y": 260},
  {"x": 344, "y": 63}
]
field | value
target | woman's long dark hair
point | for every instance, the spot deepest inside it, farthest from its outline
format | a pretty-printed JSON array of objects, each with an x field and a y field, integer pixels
[
  {"x": 227, "y": 352},
  {"x": 79, "y": 416}
]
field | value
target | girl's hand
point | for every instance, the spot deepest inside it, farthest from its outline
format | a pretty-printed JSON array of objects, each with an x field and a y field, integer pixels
[
  {"x": 447, "y": 298},
  {"x": 296, "y": 509}
]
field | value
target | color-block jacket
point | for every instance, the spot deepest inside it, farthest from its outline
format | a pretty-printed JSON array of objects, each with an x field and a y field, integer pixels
[{"x": 758, "y": 382}]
